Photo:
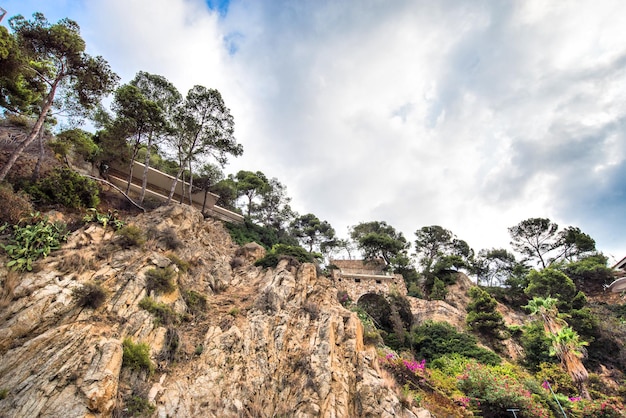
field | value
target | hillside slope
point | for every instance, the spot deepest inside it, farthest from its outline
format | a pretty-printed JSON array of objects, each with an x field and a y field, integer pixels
[{"x": 268, "y": 342}]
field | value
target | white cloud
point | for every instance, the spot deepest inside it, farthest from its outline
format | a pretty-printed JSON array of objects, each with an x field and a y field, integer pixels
[{"x": 472, "y": 115}]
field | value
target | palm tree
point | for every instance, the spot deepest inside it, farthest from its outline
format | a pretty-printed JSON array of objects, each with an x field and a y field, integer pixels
[{"x": 566, "y": 343}]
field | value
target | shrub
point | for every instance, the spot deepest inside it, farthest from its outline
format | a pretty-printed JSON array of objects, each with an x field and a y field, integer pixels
[
  {"x": 432, "y": 340},
  {"x": 265, "y": 236},
  {"x": 234, "y": 311},
  {"x": 90, "y": 295},
  {"x": 552, "y": 283},
  {"x": 608, "y": 408},
  {"x": 160, "y": 280},
  {"x": 482, "y": 315},
  {"x": 104, "y": 219},
  {"x": 236, "y": 262},
  {"x": 280, "y": 251},
  {"x": 31, "y": 239},
  {"x": 344, "y": 298},
  {"x": 312, "y": 309},
  {"x": 81, "y": 141},
  {"x": 162, "y": 312},
  {"x": 182, "y": 265},
  {"x": 131, "y": 236},
  {"x": 536, "y": 345},
  {"x": 66, "y": 187},
  {"x": 13, "y": 206},
  {"x": 138, "y": 406},
  {"x": 439, "y": 290},
  {"x": 494, "y": 391},
  {"x": 3, "y": 393},
  {"x": 196, "y": 302},
  {"x": 136, "y": 356},
  {"x": 75, "y": 263},
  {"x": 170, "y": 239}
]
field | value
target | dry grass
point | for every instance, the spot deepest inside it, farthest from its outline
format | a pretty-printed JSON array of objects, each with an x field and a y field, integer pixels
[
  {"x": 13, "y": 206},
  {"x": 9, "y": 284}
]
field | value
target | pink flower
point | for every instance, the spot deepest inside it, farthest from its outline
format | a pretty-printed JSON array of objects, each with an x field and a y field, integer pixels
[{"x": 575, "y": 399}]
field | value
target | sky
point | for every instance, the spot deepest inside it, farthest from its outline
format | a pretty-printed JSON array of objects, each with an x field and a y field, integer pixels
[{"x": 472, "y": 115}]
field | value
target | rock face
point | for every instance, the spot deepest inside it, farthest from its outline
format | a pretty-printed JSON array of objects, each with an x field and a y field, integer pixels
[{"x": 266, "y": 343}]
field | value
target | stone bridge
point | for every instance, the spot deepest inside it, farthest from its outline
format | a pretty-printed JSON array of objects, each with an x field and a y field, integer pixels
[{"x": 361, "y": 277}]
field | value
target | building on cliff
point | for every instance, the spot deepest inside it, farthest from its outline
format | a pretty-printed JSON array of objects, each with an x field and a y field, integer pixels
[{"x": 360, "y": 277}]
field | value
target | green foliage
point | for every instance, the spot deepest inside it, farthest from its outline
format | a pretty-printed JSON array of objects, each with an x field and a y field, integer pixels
[
  {"x": 162, "y": 312},
  {"x": 139, "y": 406},
  {"x": 160, "y": 280},
  {"x": 495, "y": 389},
  {"x": 31, "y": 239},
  {"x": 13, "y": 206},
  {"x": 493, "y": 267},
  {"x": 78, "y": 140},
  {"x": 379, "y": 240},
  {"x": 280, "y": 251},
  {"x": 131, "y": 236},
  {"x": 3, "y": 393},
  {"x": 265, "y": 236},
  {"x": 559, "y": 380},
  {"x": 66, "y": 187},
  {"x": 552, "y": 283},
  {"x": 482, "y": 315},
  {"x": 432, "y": 340},
  {"x": 536, "y": 345},
  {"x": 439, "y": 289},
  {"x": 104, "y": 219},
  {"x": 610, "y": 408},
  {"x": 196, "y": 302},
  {"x": 90, "y": 295},
  {"x": 311, "y": 231},
  {"x": 588, "y": 273},
  {"x": 136, "y": 356},
  {"x": 183, "y": 266}
]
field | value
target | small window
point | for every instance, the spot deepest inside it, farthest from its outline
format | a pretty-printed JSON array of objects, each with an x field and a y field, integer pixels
[
  {"x": 357, "y": 280},
  {"x": 378, "y": 281}
]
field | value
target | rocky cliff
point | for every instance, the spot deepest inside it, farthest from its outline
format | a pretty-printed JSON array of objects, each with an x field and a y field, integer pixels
[{"x": 236, "y": 340}]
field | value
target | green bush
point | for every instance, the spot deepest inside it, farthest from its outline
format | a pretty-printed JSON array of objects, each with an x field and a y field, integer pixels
[
  {"x": 265, "y": 236},
  {"x": 432, "y": 340},
  {"x": 131, "y": 236},
  {"x": 482, "y": 315},
  {"x": 77, "y": 139},
  {"x": 136, "y": 356},
  {"x": 104, "y": 219},
  {"x": 90, "y": 295},
  {"x": 31, "y": 239},
  {"x": 66, "y": 187},
  {"x": 536, "y": 345},
  {"x": 163, "y": 313},
  {"x": 280, "y": 251},
  {"x": 160, "y": 280},
  {"x": 552, "y": 283},
  {"x": 494, "y": 390},
  {"x": 138, "y": 406},
  {"x": 196, "y": 302},
  {"x": 439, "y": 289},
  {"x": 183, "y": 266}
]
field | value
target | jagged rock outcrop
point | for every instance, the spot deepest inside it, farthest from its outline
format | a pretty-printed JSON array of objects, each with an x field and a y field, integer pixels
[{"x": 269, "y": 342}]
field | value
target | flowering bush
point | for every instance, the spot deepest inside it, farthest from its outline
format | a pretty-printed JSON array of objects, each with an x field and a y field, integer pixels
[
  {"x": 494, "y": 392},
  {"x": 608, "y": 408}
]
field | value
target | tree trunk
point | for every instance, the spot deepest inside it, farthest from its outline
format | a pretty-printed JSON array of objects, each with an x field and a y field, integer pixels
[
  {"x": 190, "y": 184},
  {"x": 33, "y": 133},
  {"x": 174, "y": 183},
  {"x": 146, "y": 165},
  {"x": 40, "y": 158}
]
